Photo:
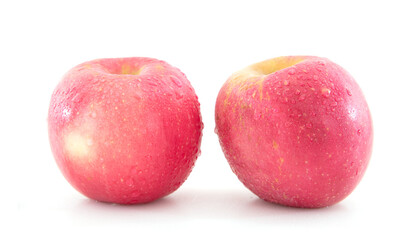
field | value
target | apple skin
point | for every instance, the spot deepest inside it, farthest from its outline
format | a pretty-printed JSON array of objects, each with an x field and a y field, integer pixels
[
  {"x": 296, "y": 130},
  {"x": 125, "y": 130}
]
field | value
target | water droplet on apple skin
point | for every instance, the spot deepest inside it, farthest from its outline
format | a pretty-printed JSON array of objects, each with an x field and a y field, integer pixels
[
  {"x": 151, "y": 82},
  {"x": 291, "y": 71},
  {"x": 176, "y": 81},
  {"x": 333, "y": 104},
  {"x": 302, "y": 97},
  {"x": 135, "y": 194},
  {"x": 321, "y": 62},
  {"x": 179, "y": 95},
  {"x": 129, "y": 182},
  {"x": 76, "y": 98},
  {"x": 326, "y": 92}
]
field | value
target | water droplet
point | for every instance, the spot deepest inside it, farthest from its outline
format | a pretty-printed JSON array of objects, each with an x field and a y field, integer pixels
[
  {"x": 133, "y": 171},
  {"x": 129, "y": 182},
  {"x": 333, "y": 104},
  {"x": 176, "y": 81},
  {"x": 302, "y": 97},
  {"x": 286, "y": 83},
  {"x": 297, "y": 92},
  {"x": 76, "y": 98},
  {"x": 321, "y": 62},
  {"x": 92, "y": 114},
  {"x": 138, "y": 96},
  {"x": 292, "y": 71},
  {"x": 348, "y": 92},
  {"x": 309, "y": 125},
  {"x": 325, "y": 92},
  {"x": 179, "y": 95},
  {"x": 151, "y": 82},
  {"x": 257, "y": 115},
  {"x": 135, "y": 194},
  {"x": 359, "y": 132}
]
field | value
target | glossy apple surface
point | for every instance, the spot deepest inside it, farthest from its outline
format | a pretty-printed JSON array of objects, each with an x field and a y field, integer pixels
[
  {"x": 125, "y": 130},
  {"x": 295, "y": 130}
]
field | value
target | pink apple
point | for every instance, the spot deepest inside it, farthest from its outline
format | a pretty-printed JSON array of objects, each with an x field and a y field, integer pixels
[
  {"x": 125, "y": 130},
  {"x": 295, "y": 130}
]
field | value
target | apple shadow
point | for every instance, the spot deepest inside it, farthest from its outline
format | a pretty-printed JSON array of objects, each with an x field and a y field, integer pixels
[
  {"x": 275, "y": 212},
  {"x": 199, "y": 204},
  {"x": 99, "y": 213},
  {"x": 242, "y": 204}
]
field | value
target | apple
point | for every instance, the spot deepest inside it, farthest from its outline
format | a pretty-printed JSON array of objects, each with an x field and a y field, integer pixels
[
  {"x": 125, "y": 130},
  {"x": 295, "y": 130}
]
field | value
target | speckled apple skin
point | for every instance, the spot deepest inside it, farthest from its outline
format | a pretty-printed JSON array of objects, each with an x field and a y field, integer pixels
[
  {"x": 300, "y": 136},
  {"x": 125, "y": 130}
]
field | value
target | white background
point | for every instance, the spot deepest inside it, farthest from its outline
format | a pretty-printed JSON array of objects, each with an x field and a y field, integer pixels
[{"x": 376, "y": 41}]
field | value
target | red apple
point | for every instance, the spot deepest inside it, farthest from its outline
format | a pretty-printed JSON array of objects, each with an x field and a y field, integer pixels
[
  {"x": 295, "y": 130},
  {"x": 125, "y": 130}
]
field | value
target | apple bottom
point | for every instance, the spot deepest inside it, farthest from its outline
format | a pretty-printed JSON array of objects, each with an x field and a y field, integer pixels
[
  {"x": 290, "y": 163},
  {"x": 140, "y": 162},
  {"x": 124, "y": 184}
]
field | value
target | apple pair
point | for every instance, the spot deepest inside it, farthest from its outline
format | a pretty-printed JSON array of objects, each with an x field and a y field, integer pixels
[{"x": 295, "y": 130}]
